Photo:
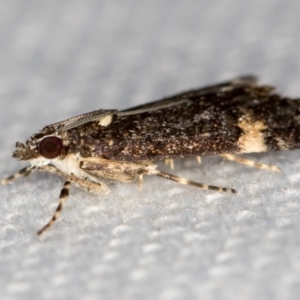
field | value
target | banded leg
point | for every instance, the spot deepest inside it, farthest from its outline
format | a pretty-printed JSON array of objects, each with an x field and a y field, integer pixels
[
  {"x": 64, "y": 194},
  {"x": 22, "y": 173},
  {"x": 250, "y": 163},
  {"x": 190, "y": 182}
]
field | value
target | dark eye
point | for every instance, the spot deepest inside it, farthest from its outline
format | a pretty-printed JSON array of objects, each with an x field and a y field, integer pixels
[{"x": 50, "y": 147}]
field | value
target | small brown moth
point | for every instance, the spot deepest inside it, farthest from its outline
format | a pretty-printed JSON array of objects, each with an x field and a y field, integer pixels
[{"x": 238, "y": 116}]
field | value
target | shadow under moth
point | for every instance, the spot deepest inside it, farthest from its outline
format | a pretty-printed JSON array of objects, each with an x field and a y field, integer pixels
[{"x": 234, "y": 117}]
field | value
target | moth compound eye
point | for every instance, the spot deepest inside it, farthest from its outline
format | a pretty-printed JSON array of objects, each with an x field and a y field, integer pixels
[{"x": 50, "y": 147}]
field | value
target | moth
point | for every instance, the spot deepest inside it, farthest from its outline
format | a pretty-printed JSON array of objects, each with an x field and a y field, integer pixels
[{"x": 234, "y": 117}]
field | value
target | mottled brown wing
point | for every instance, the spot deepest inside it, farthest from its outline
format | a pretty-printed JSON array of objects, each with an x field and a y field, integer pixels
[{"x": 226, "y": 118}]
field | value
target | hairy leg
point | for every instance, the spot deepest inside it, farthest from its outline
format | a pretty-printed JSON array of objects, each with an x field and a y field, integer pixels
[{"x": 250, "y": 163}]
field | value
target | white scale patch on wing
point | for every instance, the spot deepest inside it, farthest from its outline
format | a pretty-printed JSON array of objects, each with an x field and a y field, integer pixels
[{"x": 252, "y": 138}]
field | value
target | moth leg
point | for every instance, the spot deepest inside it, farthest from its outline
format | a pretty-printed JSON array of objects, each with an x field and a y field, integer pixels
[
  {"x": 105, "y": 168},
  {"x": 190, "y": 182},
  {"x": 95, "y": 187},
  {"x": 53, "y": 170},
  {"x": 64, "y": 194},
  {"x": 169, "y": 162},
  {"x": 250, "y": 163},
  {"x": 22, "y": 173},
  {"x": 140, "y": 180},
  {"x": 89, "y": 184}
]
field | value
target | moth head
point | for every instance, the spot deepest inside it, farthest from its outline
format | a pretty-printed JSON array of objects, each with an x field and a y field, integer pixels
[{"x": 42, "y": 146}]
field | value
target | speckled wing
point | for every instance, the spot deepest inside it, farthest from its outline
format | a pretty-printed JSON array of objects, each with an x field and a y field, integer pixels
[{"x": 234, "y": 117}]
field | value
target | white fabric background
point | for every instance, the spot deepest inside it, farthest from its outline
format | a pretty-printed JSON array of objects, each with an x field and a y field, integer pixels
[{"x": 62, "y": 58}]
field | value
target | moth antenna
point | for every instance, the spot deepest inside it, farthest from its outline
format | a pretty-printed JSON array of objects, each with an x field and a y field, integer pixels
[
  {"x": 250, "y": 163},
  {"x": 190, "y": 182},
  {"x": 22, "y": 173},
  {"x": 64, "y": 194}
]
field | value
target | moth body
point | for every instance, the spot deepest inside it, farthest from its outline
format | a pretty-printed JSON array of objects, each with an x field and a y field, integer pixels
[{"x": 234, "y": 117}]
